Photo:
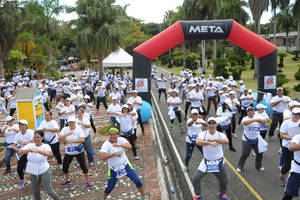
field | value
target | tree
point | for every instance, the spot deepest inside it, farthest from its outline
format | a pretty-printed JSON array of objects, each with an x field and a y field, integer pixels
[
  {"x": 296, "y": 13},
  {"x": 257, "y": 8},
  {"x": 100, "y": 28},
  {"x": 10, "y": 17},
  {"x": 274, "y": 5},
  {"x": 286, "y": 22}
]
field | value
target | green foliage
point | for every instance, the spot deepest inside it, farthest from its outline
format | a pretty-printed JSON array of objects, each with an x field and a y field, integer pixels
[
  {"x": 221, "y": 65},
  {"x": 104, "y": 130},
  {"x": 281, "y": 55},
  {"x": 165, "y": 59},
  {"x": 133, "y": 36},
  {"x": 178, "y": 60},
  {"x": 190, "y": 61},
  {"x": 297, "y": 74},
  {"x": 296, "y": 53},
  {"x": 83, "y": 65},
  {"x": 297, "y": 87},
  {"x": 281, "y": 80},
  {"x": 237, "y": 71},
  {"x": 14, "y": 61}
]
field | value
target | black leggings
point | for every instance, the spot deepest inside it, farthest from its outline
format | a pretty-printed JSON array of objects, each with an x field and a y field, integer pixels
[
  {"x": 91, "y": 94},
  {"x": 288, "y": 156},
  {"x": 80, "y": 158},
  {"x": 287, "y": 197},
  {"x": 12, "y": 111},
  {"x": 131, "y": 140},
  {"x": 92, "y": 124},
  {"x": 178, "y": 115},
  {"x": 21, "y": 166},
  {"x": 228, "y": 134},
  {"x": 187, "y": 106},
  {"x": 160, "y": 91},
  {"x": 233, "y": 123},
  {"x": 46, "y": 106},
  {"x": 101, "y": 99},
  {"x": 243, "y": 114},
  {"x": 56, "y": 152},
  {"x": 140, "y": 120}
]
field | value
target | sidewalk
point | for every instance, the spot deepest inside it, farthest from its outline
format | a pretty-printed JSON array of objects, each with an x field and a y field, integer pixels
[{"x": 125, "y": 189}]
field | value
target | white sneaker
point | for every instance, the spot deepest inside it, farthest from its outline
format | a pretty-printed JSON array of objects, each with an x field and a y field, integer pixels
[
  {"x": 253, "y": 153},
  {"x": 238, "y": 170},
  {"x": 280, "y": 151},
  {"x": 136, "y": 158},
  {"x": 91, "y": 163},
  {"x": 235, "y": 135},
  {"x": 261, "y": 169},
  {"x": 60, "y": 166}
]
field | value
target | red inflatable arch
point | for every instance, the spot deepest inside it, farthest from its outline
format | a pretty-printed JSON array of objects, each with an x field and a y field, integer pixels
[{"x": 203, "y": 30}]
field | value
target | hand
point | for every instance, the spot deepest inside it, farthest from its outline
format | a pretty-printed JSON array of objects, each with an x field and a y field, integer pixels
[
  {"x": 21, "y": 142},
  {"x": 34, "y": 150},
  {"x": 116, "y": 145},
  {"x": 70, "y": 133},
  {"x": 124, "y": 114},
  {"x": 68, "y": 141},
  {"x": 118, "y": 154},
  {"x": 210, "y": 140},
  {"x": 45, "y": 129},
  {"x": 215, "y": 144}
]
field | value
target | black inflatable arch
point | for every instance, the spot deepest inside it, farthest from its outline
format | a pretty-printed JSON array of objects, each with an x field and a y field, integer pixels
[{"x": 203, "y": 30}]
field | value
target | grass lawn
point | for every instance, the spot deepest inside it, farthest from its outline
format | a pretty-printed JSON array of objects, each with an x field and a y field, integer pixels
[{"x": 290, "y": 68}]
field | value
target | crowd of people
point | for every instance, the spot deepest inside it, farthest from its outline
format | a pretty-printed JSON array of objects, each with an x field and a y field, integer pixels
[
  {"x": 73, "y": 98},
  {"x": 233, "y": 104}
]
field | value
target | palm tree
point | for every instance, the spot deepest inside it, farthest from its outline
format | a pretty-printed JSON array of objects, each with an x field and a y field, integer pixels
[
  {"x": 100, "y": 28},
  {"x": 274, "y": 5},
  {"x": 10, "y": 18},
  {"x": 257, "y": 8},
  {"x": 296, "y": 13},
  {"x": 286, "y": 21}
]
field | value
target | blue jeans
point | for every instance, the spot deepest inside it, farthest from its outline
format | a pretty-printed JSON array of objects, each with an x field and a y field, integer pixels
[
  {"x": 87, "y": 147},
  {"x": 8, "y": 154},
  {"x": 112, "y": 180},
  {"x": 123, "y": 99},
  {"x": 62, "y": 123},
  {"x": 189, "y": 151}
]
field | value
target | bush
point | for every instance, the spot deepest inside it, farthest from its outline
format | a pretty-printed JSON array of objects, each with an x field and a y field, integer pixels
[
  {"x": 221, "y": 64},
  {"x": 297, "y": 87},
  {"x": 296, "y": 53},
  {"x": 190, "y": 61},
  {"x": 105, "y": 129},
  {"x": 286, "y": 91},
  {"x": 281, "y": 55},
  {"x": 297, "y": 75},
  {"x": 295, "y": 59},
  {"x": 83, "y": 64},
  {"x": 281, "y": 80},
  {"x": 165, "y": 59},
  {"x": 237, "y": 71}
]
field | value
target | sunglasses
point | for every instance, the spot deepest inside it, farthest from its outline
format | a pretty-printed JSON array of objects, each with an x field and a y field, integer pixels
[{"x": 213, "y": 122}]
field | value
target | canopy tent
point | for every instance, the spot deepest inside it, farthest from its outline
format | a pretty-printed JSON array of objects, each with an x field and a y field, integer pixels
[{"x": 118, "y": 58}]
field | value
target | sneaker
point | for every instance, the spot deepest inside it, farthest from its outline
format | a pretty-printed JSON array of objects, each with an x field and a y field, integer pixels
[
  {"x": 261, "y": 169},
  {"x": 253, "y": 153},
  {"x": 232, "y": 149},
  {"x": 60, "y": 166},
  {"x": 89, "y": 183},
  {"x": 223, "y": 196},
  {"x": 182, "y": 130},
  {"x": 7, "y": 171},
  {"x": 281, "y": 181},
  {"x": 184, "y": 169},
  {"x": 66, "y": 182},
  {"x": 238, "y": 170},
  {"x": 198, "y": 197},
  {"x": 91, "y": 163},
  {"x": 21, "y": 184},
  {"x": 136, "y": 158},
  {"x": 235, "y": 135},
  {"x": 280, "y": 151},
  {"x": 143, "y": 133}
]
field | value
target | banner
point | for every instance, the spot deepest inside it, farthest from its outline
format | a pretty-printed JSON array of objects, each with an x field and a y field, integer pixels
[
  {"x": 141, "y": 84},
  {"x": 270, "y": 82}
]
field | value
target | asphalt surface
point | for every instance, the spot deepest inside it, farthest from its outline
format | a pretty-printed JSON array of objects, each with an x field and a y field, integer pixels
[{"x": 264, "y": 183}]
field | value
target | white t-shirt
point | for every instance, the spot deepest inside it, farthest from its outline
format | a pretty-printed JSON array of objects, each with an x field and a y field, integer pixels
[
  {"x": 117, "y": 95},
  {"x": 37, "y": 163},
  {"x": 281, "y": 106},
  {"x": 47, "y": 134},
  {"x": 287, "y": 114},
  {"x": 101, "y": 90},
  {"x": 226, "y": 115},
  {"x": 115, "y": 161},
  {"x": 198, "y": 96},
  {"x": 161, "y": 83},
  {"x": 246, "y": 101},
  {"x": 234, "y": 108},
  {"x": 211, "y": 91},
  {"x": 138, "y": 99},
  {"x": 60, "y": 106},
  {"x": 114, "y": 108},
  {"x": 27, "y": 137},
  {"x": 291, "y": 129},
  {"x": 78, "y": 98},
  {"x": 194, "y": 130},
  {"x": 173, "y": 100},
  {"x": 295, "y": 167},
  {"x": 86, "y": 131},
  {"x": 262, "y": 115},
  {"x": 13, "y": 102},
  {"x": 77, "y": 134},
  {"x": 10, "y": 134},
  {"x": 251, "y": 131},
  {"x": 68, "y": 109},
  {"x": 211, "y": 152},
  {"x": 126, "y": 123}
]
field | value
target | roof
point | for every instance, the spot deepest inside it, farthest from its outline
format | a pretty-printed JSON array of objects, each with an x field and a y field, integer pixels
[
  {"x": 119, "y": 58},
  {"x": 27, "y": 93},
  {"x": 281, "y": 35}
]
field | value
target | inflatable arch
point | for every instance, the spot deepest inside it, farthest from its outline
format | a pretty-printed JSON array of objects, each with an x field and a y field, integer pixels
[{"x": 204, "y": 30}]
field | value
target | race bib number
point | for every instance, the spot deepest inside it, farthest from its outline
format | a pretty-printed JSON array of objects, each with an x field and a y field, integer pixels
[
  {"x": 212, "y": 165},
  {"x": 264, "y": 127},
  {"x": 120, "y": 171},
  {"x": 194, "y": 137}
]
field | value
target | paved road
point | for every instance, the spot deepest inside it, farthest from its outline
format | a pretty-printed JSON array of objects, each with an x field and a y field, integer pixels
[{"x": 264, "y": 183}]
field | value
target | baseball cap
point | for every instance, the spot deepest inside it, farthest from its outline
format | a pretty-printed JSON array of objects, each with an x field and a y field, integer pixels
[
  {"x": 261, "y": 106},
  {"x": 114, "y": 98},
  {"x": 71, "y": 119},
  {"x": 134, "y": 91},
  {"x": 294, "y": 103},
  {"x": 125, "y": 106},
  {"x": 23, "y": 121},
  {"x": 296, "y": 111},
  {"x": 241, "y": 81},
  {"x": 9, "y": 118},
  {"x": 68, "y": 99},
  {"x": 194, "y": 111},
  {"x": 86, "y": 97},
  {"x": 280, "y": 88},
  {"x": 249, "y": 108},
  {"x": 231, "y": 92},
  {"x": 212, "y": 119}
]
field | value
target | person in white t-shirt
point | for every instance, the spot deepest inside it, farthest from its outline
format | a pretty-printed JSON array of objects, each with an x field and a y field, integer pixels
[
  {"x": 246, "y": 101},
  {"x": 293, "y": 181},
  {"x": 287, "y": 113},
  {"x": 50, "y": 129},
  {"x": 279, "y": 103},
  {"x": 113, "y": 150},
  {"x": 211, "y": 96},
  {"x": 188, "y": 101},
  {"x": 73, "y": 137},
  {"x": 101, "y": 95},
  {"x": 59, "y": 107},
  {"x": 173, "y": 102},
  {"x": 261, "y": 113},
  {"x": 85, "y": 124},
  {"x": 194, "y": 126},
  {"x": 22, "y": 138},
  {"x": 137, "y": 102},
  {"x": 288, "y": 130},
  {"x": 213, "y": 158},
  {"x": 12, "y": 103},
  {"x": 38, "y": 166},
  {"x": 9, "y": 130},
  {"x": 114, "y": 107},
  {"x": 76, "y": 98},
  {"x": 88, "y": 105},
  {"x": 234, "y": 109},
  {"x": 250, "y": 139},
  {"x": 68, "y": 110},
  {"x": 162, "y": 86}
]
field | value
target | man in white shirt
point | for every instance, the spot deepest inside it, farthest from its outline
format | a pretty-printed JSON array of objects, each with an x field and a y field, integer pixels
[
  {"x": 137, "y": 102},
  {"x": 162, "y": 86},
  {"x": 279, "y": 103}
]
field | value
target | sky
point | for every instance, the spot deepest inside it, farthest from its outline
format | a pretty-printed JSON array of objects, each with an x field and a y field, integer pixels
[{"x": 149, "y": 10}]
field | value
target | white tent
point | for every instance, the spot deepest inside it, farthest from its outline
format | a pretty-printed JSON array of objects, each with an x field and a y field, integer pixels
[{"x": 118, "y": 58}]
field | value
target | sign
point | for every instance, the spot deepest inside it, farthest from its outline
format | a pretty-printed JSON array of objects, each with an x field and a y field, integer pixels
[
  {"x": 206, "y": 29},
  {"x": 141, "y": 84},
  {"x": 270, "y": 82}
]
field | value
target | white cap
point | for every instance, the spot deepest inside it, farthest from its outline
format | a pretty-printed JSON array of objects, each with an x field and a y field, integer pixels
[
  {"x": 280, "y": 88},
  {"x": 129, "y": 103},
  {"x": 231, "y": 92},
  {"x": 134, "y": 91},
  {"x": 260, "y": 106},
  {"x": 68, "y": 99},
  {"x": 228, "y": 102},
  {"x": 71, "y": 119},
  {"x": 9, "y": 118},
  {"x": 212, "y": 119},
  {"x": 250, "y": 90},
  {"x": 241, "y": 81},
  {"x": 23, "y": 121},
  {"x": 114, "y": 98},
  {"x": 231, "y": 78},
  {"x": 125, "y": 106},
  {"x": 224, "y": 86},
  {"x": 249, "y": 108},
  {"x": 194, "y": 111},
  {"x": 175, "y": 91},
  {"x": 294, "y": 103},
  {"x": 296, "y": 111},
  {"x": 86, "y": 97}
]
